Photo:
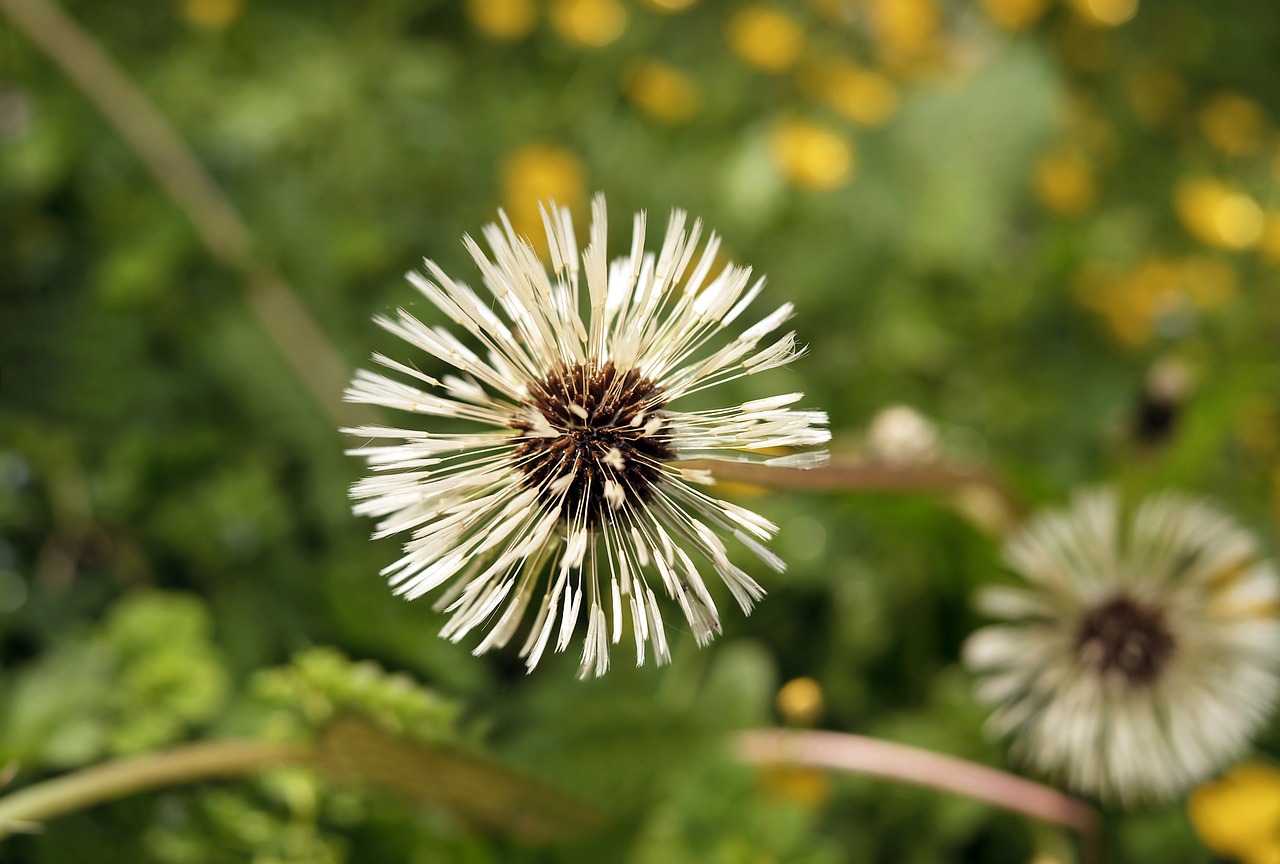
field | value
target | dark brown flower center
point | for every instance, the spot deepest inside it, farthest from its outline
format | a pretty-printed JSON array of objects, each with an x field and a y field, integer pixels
[
  {"x": 1127, "y": 637},
  {"x": 606, "y": 441}
]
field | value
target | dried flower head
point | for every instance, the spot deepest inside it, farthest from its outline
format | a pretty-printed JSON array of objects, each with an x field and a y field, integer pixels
[
  {"x": 1141, "y": 655},
  {"x": 573, "y": 495}
]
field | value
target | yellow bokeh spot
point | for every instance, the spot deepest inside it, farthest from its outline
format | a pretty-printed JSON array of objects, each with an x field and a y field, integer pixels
[
  {"x": 670, "y": 6},
  {"x": 765, "y": 38},
  {"x": 592, "y": 23},
  {"x": 810, "y": 155},
  {"x": 1239, "y": 814},
  {"x": 799, "y": 784},
  {"x": 531, "y": 176},
  {"x": 800, "y": 702},
  {"x": 1233, "y": 124},
  {"x": 906, "y": 30},
  {"x": 1015, "y": 14},
  {"x": 1218, "y": 215},
  {"x": 861, "y": 95},
  {"x": 212, "y": 14},
  {"x": 1269, "y": 244},
  {"x": 1209, "y": 283},
  {"x": 661, "y": 91},
  {"x": 1105, "y": 13},
  {"x": 1155, "y": 92},
  {"x": 1132, "y": 302},
  {"x": 506, "y": 20},
  {"x": 1064, "y": 182}
]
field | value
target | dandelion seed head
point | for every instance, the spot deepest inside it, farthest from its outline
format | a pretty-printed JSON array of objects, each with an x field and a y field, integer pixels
[
  {"x": 1141, "y": 651},
  {"x": 564, "y": 500}
]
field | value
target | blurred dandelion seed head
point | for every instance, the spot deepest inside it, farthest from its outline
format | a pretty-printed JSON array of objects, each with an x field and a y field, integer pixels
[
  {"x": 1141, "y": 653},
  {"x": 572, "y": 471}
]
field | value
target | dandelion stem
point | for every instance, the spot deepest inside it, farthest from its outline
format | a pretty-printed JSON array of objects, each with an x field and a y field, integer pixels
[
  {"x": 874, "y": 477},
  {"x": 862, "y": 755},
  {"x": 220, "y": 228},
  {"x": 25, "y": 809}
]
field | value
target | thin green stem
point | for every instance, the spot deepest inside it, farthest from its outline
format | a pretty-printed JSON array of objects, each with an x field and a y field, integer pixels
[
  {"x": 219, "y": 226},
  {"x": 49, "y": 799}
]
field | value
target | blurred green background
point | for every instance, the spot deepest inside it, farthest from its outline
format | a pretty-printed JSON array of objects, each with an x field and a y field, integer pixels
[{"x": 1052, "y": 226}]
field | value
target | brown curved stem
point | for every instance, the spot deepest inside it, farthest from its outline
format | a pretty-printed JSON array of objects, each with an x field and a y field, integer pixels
[
  {"x": 872, "y": 477},
  {"x": 862, "y": 755},
  {"x": 217, "y": 223},
  {"x": 25, "y": 809}
]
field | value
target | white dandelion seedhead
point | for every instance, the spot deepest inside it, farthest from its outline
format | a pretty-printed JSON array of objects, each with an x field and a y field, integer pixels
[
  {"x": 1141, "y": 654},
  {"x": 565, "y": 493}
]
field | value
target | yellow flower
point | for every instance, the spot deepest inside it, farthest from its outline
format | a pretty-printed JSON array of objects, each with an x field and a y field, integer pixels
[
  {"x": 212, "y": 14},
  {"x": 799, "y": 784},
  {"x": 906, "y": 30},
  {"x": 765, "y": 38},
  {"x": 533, "y": 174},
  {"x": 661, "y": 91},
  {"x": 1233, "y": 124},
  {"x": 1239, "y": 814},
  {"x": 799, "y": 701},
  {"x": 591, "y": 23},
  {"x": 505, "y": 20},
  {"x": 1131, "y": 302},
  {"x": 1015, "y": 14},
  {"x": 1064, "y": 182},
  {"x": 810, "y": 155},
  {"x": 861, "y": 95},
  {"x": 1217, "y": 214}
]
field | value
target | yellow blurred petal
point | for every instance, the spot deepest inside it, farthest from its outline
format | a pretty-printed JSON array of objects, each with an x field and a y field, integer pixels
[
  {"x": 1064, "y": 182},
  {"x": 1233, "y": 124},
  {"x": 861, "y": 95},
  {"x": 810, "y": 155},
  {"x": 212, "y": 14},
  {"x": 505, "y": 20},
  {"x": 765, "y": 38},
  {"x": 534, "y": 174},
  {"x": 809, "y": 787},
  {"x": 1239, "y": 814},
  {"x": 800, "y": 702},
  {"x": 661, "y": 91},
  {"x": 1105, "y": 13},
  {"x": 1217, "y": 214},
  {"x": 906, "y": 30},
  {"x": 1269, "y": 244},
  {"x": 1015, "y": 14},
  {"x": 1209, "y": 282},
  {"x": 670, "y": 6},
  {"x": 591, "y": 23}
]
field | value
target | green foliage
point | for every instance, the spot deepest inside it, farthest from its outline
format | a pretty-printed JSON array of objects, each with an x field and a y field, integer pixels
[
  {"x": 146, "y": 677},
  {"x": 174, "y": 523},
  {"x": 321, "y": 684}
]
